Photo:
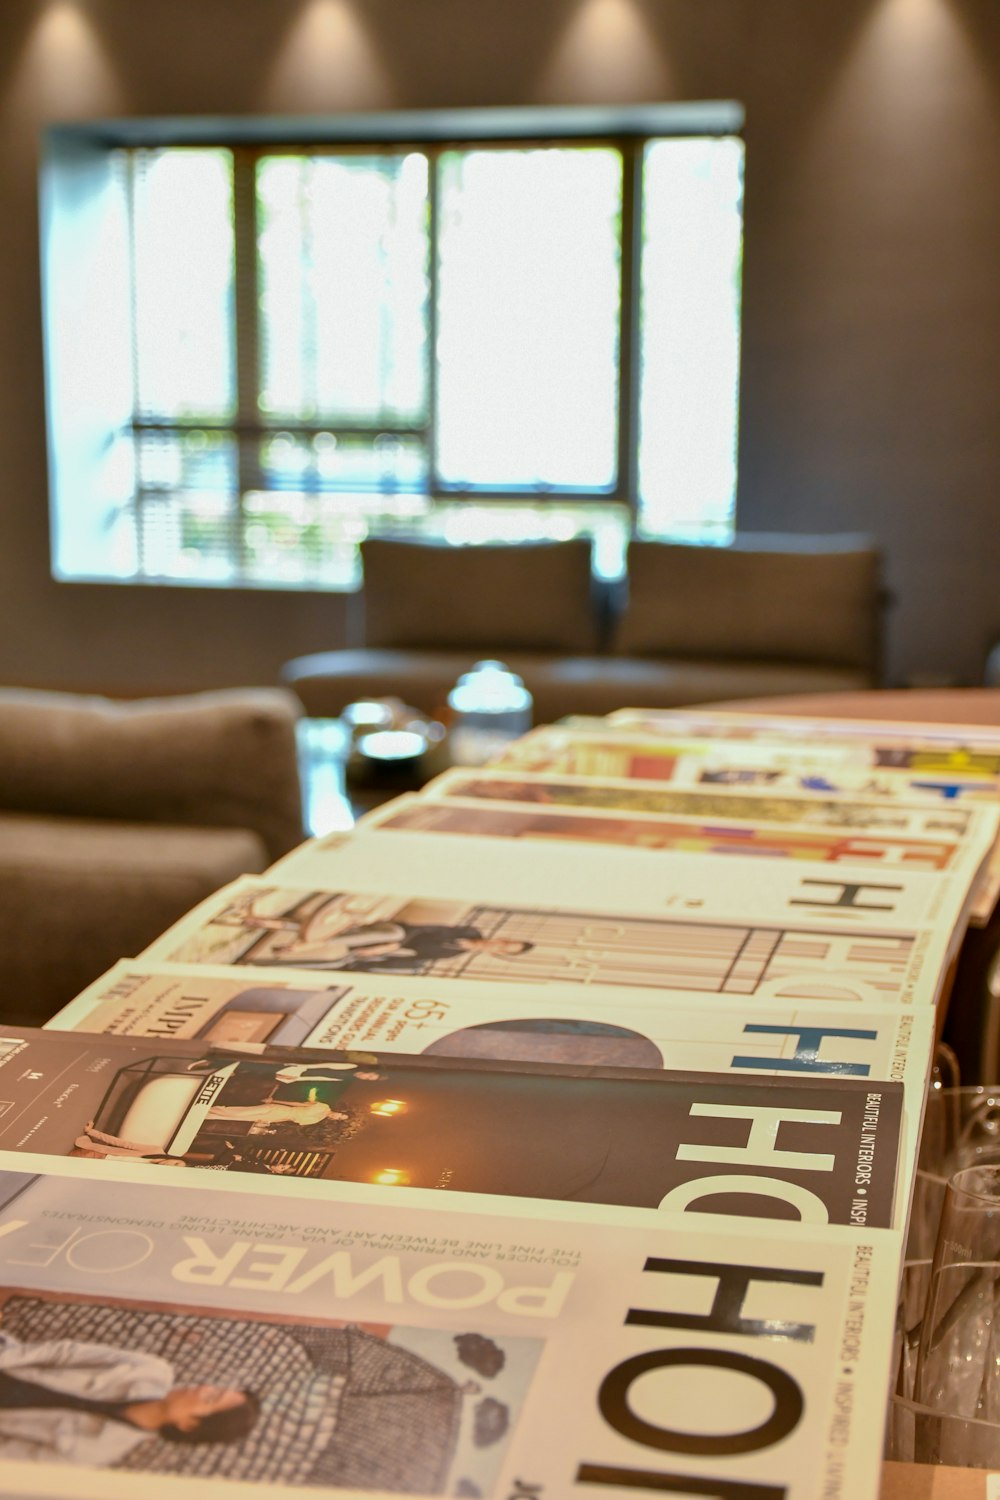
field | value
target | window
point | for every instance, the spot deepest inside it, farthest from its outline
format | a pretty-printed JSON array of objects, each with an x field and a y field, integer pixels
[{"x": 502, "y": 326}]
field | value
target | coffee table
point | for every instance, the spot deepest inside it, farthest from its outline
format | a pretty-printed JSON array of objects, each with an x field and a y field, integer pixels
[{"x": 336, "y": 793}]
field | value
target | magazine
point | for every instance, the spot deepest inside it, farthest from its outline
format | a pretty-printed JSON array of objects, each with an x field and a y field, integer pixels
[
  {"x": 894, "y": 818},
  {"x": 381, "y": 1351},
  {"x": 601, "y": 877},
  {"x": 650, "y": 833},
  {"x": 823, "y": 768},
  {"x": 263, "y": 923},
  {"x": 942, "y": 762},
  {"x": 951, "y": 737},
  {"x": 402, "y": 1013},
  {"x": 456, "y": 1018},
  {"x": 640, "y": 1140}
]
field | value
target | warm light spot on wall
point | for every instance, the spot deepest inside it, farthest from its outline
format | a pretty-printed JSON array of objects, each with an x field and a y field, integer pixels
[
  {"x": 607, "y": 52},
  {"x": 920, "y": 20},
  {"x": 911, "y": 59},
  {"x": 328, "y": 61},
  {"x": 63, "y": 72}
]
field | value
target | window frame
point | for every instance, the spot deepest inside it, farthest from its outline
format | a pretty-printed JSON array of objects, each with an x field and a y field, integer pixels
[{"x": 625, "y": 130}]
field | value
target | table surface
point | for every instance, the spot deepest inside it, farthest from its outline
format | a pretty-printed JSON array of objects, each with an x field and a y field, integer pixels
[
  {"x": 916, "y": 705},
  {"x": 331, "y": 800},
  {"x": 931, "y": 1482}
]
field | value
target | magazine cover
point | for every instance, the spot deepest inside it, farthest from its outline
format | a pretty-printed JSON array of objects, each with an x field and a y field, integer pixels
[
  {"x": 951, "y": 738},
  {"x": 210, "y": 1339},
  {"x": 263, "y": 923},
  {"x": 651, "y": 833},
  {"x": 894, "y": 818},
  {"x": 592, "y": 876},
  {"x": 770, "y": 765},
  {"x": 458, "y": 1019},
  {"x": 785, "y": 1147}
]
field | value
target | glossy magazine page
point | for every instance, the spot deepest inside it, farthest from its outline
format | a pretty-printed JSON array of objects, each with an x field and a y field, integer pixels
[
  {"x": 383, "y": 1350},
  {"x": 891, "y": 817},
  {"x": 638, "y": 1140},
  {"x": 459, "y": 1018},
  {"x": 794, "y": 763},
  {"x": 600, "y": 877},
  {"x": 265, "y": 922}
]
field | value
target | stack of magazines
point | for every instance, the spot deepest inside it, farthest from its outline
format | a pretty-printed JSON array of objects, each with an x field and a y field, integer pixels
[{"x": 552, "y": 1132}]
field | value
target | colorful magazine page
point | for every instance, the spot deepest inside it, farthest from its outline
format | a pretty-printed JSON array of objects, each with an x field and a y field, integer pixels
[
  {"x": 733, "y": 724},
  {"x": 265, "y": 924},
  {"x": 920, "y": 820},
  {"x": 382, "y": 1350},
  {"x": 651, "y": 833},
  {"x": 635, "y": 1139},
  {"x": 596, "y": 877},
  {"x": 457, "y": 1018},
  {"x": 686, "y": 750},
  {"x": 823, "y": 769}
]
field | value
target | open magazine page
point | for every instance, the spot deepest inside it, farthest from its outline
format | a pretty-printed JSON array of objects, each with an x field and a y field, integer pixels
[
  {"x": 265, "y": 924},
  {"x": 636, "y": 1139},
  {"x": 733, "y": 724},
  {"x": 651, "y": 832},
  {"x": 942, "y": 761},
  {"x": 385, "y": 1351},
  {"x": 825, "y": 768},
  {"x": 599, "y": 878},
  {"x": 688, "y": 751},
  {"x": 460, "y": 1019},
  {"x": 883, "y": 831},
  {"x": 871, "y": 816}
]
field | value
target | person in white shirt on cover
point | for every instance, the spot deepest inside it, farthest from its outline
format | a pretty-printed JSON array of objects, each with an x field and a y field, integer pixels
[{"x": 67, "y": 1401}]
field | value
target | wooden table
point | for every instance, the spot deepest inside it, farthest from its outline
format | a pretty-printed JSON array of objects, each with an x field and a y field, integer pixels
[
  {"x": 914, "y": 705},
  {"x": 931, "y": 1482}
]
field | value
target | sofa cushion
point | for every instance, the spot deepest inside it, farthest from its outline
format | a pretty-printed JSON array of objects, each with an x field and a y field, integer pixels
[
  {"x": 763, "y": 598},
  {"x": 80, "y": 893},
  {"x": 225, "y": 758},
  {"x": 487, "y": 598}
]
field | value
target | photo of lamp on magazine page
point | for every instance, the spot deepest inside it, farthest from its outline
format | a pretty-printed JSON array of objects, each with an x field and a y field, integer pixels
[
  {"x": 458, "y": 1018},
  {"x": 639, "y": 1140}
]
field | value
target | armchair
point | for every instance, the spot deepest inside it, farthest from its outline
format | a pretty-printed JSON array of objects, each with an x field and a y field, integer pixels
[{"x": 116, "y": 818}]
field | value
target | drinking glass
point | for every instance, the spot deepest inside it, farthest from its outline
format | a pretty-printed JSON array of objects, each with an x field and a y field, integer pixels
[
  {"x": 918, "y": 1434},
  {"x": 910, "y": 1310},
  {"x": 961, "y": 1128},
  {"x": 958, "y": 1362}
]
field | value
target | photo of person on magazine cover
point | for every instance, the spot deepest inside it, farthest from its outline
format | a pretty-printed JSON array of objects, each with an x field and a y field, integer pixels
[
  {"x": 64, "y": 1399},
  {"x": 315, "y": 938},
  {"x": 639, "y": 1137},
  {"x": 215, "y": 1394},
  {"x": 211, "y": 1112}
]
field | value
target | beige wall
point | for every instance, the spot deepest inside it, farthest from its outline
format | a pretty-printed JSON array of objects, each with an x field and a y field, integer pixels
[{"x": 872, "y": 285}]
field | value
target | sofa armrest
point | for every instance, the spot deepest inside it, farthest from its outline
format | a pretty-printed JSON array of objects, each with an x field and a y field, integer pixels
[{"x": 225, "y": 759}]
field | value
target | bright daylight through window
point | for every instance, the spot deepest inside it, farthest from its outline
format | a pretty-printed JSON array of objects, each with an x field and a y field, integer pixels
[{"x": 496, "y": 335}]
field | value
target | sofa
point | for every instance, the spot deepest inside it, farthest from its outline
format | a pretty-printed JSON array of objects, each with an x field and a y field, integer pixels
[
  {"x": 768, "y": 614},
  {"x": 116, "y": 818}
]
